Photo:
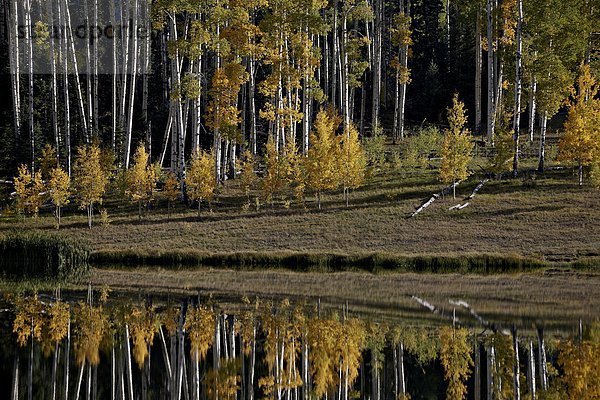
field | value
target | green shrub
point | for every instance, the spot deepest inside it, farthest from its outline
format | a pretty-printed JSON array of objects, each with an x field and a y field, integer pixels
[
  {"x": 42, "y": 255},
  {"x": 417, "y": 148}
]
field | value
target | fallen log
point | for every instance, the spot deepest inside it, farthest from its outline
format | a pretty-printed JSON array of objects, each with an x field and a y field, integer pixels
[
  {"x": 433, "y": 198},
  {"x": 477, "y": 188},
  {"x": 458, "y": 206}
]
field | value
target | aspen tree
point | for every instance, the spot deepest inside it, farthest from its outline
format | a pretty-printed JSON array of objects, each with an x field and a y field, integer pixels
[
  {"x": 29, "y": 189},
  {"x": 90, "y": 180},
  {"x": 248, "y": 176},
  {"x": 455, "y": 356},
  {"x": 171, "y": 190},
  {"x": 141, "y": 179},
  {"x": 143, "y": 325},
  {"x": 581, "y": 141},
  {"x": 353, "y": 161},
  {"x": 456, "y": 147},
  {"x": 59, "y": 188},
  {"x": 321, "y": 163},
  {"x": 275, "y": 176},
  {"x": 200, "y": 180}
]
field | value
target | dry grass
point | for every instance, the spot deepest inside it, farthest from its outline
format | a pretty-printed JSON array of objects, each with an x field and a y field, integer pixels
[{"x": 548, "y": 218}]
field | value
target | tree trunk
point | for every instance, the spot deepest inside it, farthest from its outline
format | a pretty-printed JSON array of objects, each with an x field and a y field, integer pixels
[
  {"x": 134, "y": 58},
  {"x": 516, "y": 365},
  {"x": 66, "y": 362},
  {"x": 15, "y": 64},
  {"x": 491, "y": 75},
  {"x": 15, "y": 380},
  {"x": 29, "y": 41},
  {"x": 532, "y": 107},
  {"x": 542, "y": 360},
  {"x": 477, "y": 371},
  {"x": 128, "y": 363},
  {"x": 531, "y": 370},
  {"x": 478, "y": 68},
  {"x": 543, "y": 125},
  {"x": 518, "y": 88}
]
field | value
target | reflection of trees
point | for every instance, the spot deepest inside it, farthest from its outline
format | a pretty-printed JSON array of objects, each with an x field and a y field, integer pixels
[{"x": 281, "y": 352}]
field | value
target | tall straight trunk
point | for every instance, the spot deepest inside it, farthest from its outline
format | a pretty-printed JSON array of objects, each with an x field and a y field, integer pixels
[
  {"x": 54, "y": 95},
  {"x": 95, "y": 72},
  {"x": 377, "y": 36},
  {"x": 542, "y": 360},
  {"x": 197, "y": 108},
  {"x": 252, "y": 103},
  {"x": 518, "y": 88},
  {"x": 478, "y": 69},
  {"x": 252, "y": 364},
  {"x": 128, "y": 364},
  {"x": 66, "y": 362},
  {"x": 79, "y": 380},
  {"x": 15, "y": 66},
  {"x": 55, "y": 357},
  {"x": 63, "y": 53},
  {"x": 477, "y": 371},
  {"x": 401, "y": 377},
  {"x": 491, "y": 75},
  {"x": 15, "y": 379},
  {"x": 29, "y": 42},
  {"x": 145, "y": 71},
  {"x": 114, "y": 80},
  {"x": 531, "y": 370},
  {"x": 334, "y": 53},
  {"x": 448, "y": 33},
  {"x": 125, "y": 49},
  {"x": 88, "y": 70},
  {"x": 71, "y": 51},
  {"x": 134, "y": 58},
  {"x": 344, "y": 68},
  {"x": 532, "y": 107},
  {"x": 516, "y": 364},
  {"x": 543, "y": 127},
  {"x": 490, "y": 356}
]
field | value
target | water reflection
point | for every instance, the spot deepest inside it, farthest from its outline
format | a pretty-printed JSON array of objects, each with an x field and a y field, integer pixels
[{"x": 194, "y": 350}]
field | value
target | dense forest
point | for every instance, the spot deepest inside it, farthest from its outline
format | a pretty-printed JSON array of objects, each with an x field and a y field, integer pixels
[{"x": 229, "y": 79}]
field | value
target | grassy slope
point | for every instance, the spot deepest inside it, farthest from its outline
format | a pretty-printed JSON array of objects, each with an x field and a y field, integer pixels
[{"x": 549, "y": 218}]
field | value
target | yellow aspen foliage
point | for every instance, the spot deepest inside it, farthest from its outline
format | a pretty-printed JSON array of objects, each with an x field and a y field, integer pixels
[
  {"x": 324, "y": 354},
  {"x": 89, "y": 326},
  {"x": 141, "y": 179},
  {"x": 580, "y": 363},
  {"x": 322, "y": 161},
  {"x": 171, "y": 190},
  {"x": 246, "y": 324},
  {"x": 59, "y": 188},
  {"x": 56, "y": 325},
  {"x": 47, "y": 161},
  {"x": 455, "y": 356},
  {"x": 503, "y": 370},
  {"x": 248, "y": 178},
  {"x": 353, "y": 161},
  {"x": 170, "y": 319},
  {"x": 200, "y": 327},
  {"x": 200, "y": 180},
  {"x": 456, "y": 147},
  {"x": 294, "y": 169},
  {"x": 223, "y": 113},
  {"x": 352, "y": 341},
  {"x": 90, "y": 179},
  {"x": 418, "y": 341},
  {"x": 29, "y": 320},
  {"x": 226, "y": 380},
  {"x": 275, "y": 176},
  {"x": 581, "y": 141},
  {"x": 143, "y": 325},
  {"x": 29, "y": 189}
]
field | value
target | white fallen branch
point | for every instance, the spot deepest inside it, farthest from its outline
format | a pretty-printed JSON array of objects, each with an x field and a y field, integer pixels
[
  {"x": 477, "y": 188},
  {"x": 464, "y": 304},
  {"x": 458, "y": 206},
  {"x": 434, "y": 309},
  {"x": 6, "y": 182},
  {"x": 434, "y": 198}
]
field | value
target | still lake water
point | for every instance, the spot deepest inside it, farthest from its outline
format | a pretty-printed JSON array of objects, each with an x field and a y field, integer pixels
[{"x": 97, "y": 345}]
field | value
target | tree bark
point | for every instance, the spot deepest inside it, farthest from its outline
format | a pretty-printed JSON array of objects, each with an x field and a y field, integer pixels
[
  {"x": 478, "y": 68},
  {"x": 518, "y": 88},
  {"x": 543, "y": 125},
  {"x": 491, "y": 75}
]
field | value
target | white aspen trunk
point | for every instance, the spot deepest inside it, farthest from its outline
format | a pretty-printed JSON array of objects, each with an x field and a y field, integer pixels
[
  {"x": 252, "y": 364},
  {"x": 403, "y": 85},
  {"x": 531, "y": 370},
  {"x": 491, "y": 81},
  {"x": 543, "y": 127},
  {"x": 532, "y": 107},
  {"x": 334, "y": 54},
  {"x": 478, "y": 69},
  {"x": 252, "y": 104},
  {"x": 377, "y": 36},
  {"x": 95, "y": 73},
  {"x": 542, "y": 360},
  {"x": 114, "y": 80},
  {"x": 477, "y": 372},
  {"x": 345, "y": 85},
  {"x": 112, "y": 373},
  {"x": 490, "y": 371},
  {"x": 516, "y": 365},
  {"x": 145, "y": 71},
  {"x": 128, "y": 364},
  {"x": 198, "y": 108},
  {"x": 518, "y": 88},
  {"x": 88, "y": 69},
  {"x": 29, "y": 42},
  {"x": 15, "y": 380},
  {"x": 75, "y": 70},
  {"x": 50, "y": 11},
  {"x": 79, "y": 380},
  {"x": 15, "y": 66},
  {"x": 124, "y": 10},
  {"x": 448, "y": 32},
  {"x": 165, "y": 352},
  {"x": 401, "y": 375},
  {"x": 66, "y": 362},
  {"x": 134, "y": 59},
  {"x": 55, "y": 357}
]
